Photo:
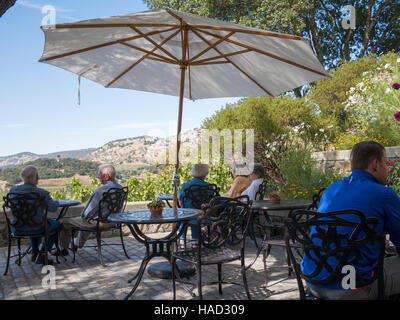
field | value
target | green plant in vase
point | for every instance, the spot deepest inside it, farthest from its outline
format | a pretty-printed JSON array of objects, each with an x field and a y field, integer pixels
[{"x": 156, "y": 207}]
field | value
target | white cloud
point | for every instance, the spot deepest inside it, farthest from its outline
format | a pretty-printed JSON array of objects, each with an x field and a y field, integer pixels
[
  {"x": 39, "y": 7},
  {"x": 59, "y": 10}
]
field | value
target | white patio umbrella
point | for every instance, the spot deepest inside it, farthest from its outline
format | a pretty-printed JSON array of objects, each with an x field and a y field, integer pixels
[{"x": 181, "y": 54}]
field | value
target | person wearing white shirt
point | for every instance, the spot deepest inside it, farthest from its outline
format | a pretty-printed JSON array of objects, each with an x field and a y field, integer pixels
[{"x": 256, "y": 178}]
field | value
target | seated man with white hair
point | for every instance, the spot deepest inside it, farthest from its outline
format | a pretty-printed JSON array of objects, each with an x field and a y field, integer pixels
[
  {"x": 30, "y": 176},
  {"x": 89, "y": 214},
  {"x": 199, "y": 172},
  {"x": 256, "y": 178}
]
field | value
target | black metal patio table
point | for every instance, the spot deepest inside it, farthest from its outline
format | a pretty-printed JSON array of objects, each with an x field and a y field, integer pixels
[
  {"x": 160, "y": 247},
  {"x": 282, "y": 205},
  {"x": 166, "y": 198},
  {"x": 65, "y": 204},
  {"x": 268, "y": 205}
]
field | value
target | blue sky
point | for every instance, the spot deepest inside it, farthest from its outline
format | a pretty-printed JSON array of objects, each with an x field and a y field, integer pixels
[{"x": 38, "y": 102}]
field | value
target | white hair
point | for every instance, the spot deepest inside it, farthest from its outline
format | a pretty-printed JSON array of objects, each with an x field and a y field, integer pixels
[
  {"x": 108, "y": 169},
  {"x": 28, "y": 174}
]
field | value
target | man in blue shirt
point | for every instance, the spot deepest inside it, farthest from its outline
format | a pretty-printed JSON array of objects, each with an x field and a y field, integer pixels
[
  {"x": 30, "y": 176},
  {"x": 364, "y": 190},
  {"x": 199, "y": 172}
]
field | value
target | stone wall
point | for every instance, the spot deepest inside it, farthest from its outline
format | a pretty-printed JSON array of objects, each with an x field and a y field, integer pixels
[{"x": 340, "y": 158}]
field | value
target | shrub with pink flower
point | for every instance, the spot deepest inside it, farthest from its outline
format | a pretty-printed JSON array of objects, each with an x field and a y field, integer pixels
[
  {"x": 374, "y": 103},
  {"x": 394, "y": 175}
]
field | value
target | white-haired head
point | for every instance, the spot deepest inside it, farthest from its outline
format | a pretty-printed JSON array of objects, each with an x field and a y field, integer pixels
[
  {"x": 199, "y": 170},
  {"x": 30, "y": 174},
  {"x": 106, "y": 173}
]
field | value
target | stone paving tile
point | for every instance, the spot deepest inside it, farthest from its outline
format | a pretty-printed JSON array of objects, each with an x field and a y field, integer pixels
[{"x": 86, "y": 279}]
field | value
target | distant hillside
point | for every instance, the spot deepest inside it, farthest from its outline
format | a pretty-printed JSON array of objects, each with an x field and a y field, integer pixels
[
  {"x": 143, "y": 150},
  {"x": 123, "y": 151},
  {"x": 52, "y": 168},
  {"x": 24, "y": 157}
]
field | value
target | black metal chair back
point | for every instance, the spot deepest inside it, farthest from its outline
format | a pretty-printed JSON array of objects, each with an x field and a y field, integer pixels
[
  {"x": 316, "y": 199},
  {"x": 227, "y": 216},
  {"x": 332, "y": 240},
  {"x": 261, "y": 191},
  {"x": 29, "y": 211},
  {"x": 113, "y": 201},
  {"x": 197, "y": 195}
]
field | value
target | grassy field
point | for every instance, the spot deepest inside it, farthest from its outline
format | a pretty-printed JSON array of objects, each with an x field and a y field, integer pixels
[{"x": 124, "y": 167}]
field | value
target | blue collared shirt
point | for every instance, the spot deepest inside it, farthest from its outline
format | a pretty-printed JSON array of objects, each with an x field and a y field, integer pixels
[
  {"x": 362, "y": 191},
  {"x": 186, "y": 185},
  {"x": 91, "y": 210},
  {"x": 52, "y": 205}
]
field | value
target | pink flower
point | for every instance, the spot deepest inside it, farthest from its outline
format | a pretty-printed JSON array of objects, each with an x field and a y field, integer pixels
[
  {"x": 396, "y": 85},
  {"x": 391, "y": 163},
  {"x": 397, "y": 115}
]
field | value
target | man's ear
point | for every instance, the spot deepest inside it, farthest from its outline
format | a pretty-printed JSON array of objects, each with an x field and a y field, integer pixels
[{"x": 374, "y": 164}]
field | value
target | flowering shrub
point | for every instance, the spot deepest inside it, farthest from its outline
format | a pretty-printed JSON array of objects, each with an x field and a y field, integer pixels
[
  {"x": 350, "y": 137},
  {"x": 394, "y": 175},
  {"x": 373, "y": 102}
]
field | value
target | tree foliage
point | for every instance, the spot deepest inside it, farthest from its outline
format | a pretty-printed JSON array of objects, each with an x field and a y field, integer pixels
[
  {"x": 51, "y": 168},
  {"x": 376, "y": 29}
]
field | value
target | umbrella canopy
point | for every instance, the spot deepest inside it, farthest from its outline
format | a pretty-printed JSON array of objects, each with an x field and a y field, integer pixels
[{"x": 181, "y": 54}]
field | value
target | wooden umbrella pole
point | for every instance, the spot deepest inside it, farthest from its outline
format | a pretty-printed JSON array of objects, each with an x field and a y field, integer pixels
[
  {"x": 178, "y": 136},
  {"x": 183, "y": 65}
]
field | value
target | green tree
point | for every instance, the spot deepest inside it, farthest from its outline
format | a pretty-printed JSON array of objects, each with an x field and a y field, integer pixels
[{"x": 376, "y": 29}]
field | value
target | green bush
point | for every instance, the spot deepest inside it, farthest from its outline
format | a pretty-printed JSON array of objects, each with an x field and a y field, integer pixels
[
  {"x": 150, "y": 186},
  {"x": 76, "y": 190},
  {"x": 302, "y": 176}
]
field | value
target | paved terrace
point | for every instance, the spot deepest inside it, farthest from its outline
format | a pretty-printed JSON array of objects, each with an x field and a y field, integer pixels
[{"x": 86, "y": 279}]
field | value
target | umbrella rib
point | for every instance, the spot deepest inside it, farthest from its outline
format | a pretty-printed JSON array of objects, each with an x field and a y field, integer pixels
[
  {"x": 264, "y": 53},
  {"x": 104, "y": 25},
  {"x": 158, "y": 46},
  {"x": 210, "y": 63},
  {"x": 236, "y": 66},
  {"x": 141, "y": 59},
  {"x": 262, "y": 33},
  {"x": 103, "y": 45},
  {"x": 204, "y": 61},
  {"x": 161, "y": 58},
  {"x": 211, "y": 47}
]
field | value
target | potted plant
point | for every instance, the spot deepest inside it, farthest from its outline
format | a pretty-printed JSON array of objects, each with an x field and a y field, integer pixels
[
  {"x": 274, "y": 197},
  {"x": 156, "y": 207}
]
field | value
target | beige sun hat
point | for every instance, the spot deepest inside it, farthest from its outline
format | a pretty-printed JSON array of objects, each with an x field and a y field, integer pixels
[
  {"x": 241, "y": 169},
  {"x": 199, "y": 170}
]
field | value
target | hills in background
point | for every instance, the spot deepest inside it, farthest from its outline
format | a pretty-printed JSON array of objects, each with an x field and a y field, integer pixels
[
  {"x": 143, "y": 150},
  {"x": 23, "y": 157}
]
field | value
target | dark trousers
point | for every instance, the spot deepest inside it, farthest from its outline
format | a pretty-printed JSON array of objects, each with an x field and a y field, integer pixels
[{"x": 52, "y": 225}]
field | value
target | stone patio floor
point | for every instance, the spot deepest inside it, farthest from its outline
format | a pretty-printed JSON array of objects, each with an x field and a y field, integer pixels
[{"x": 86, "y": 279}]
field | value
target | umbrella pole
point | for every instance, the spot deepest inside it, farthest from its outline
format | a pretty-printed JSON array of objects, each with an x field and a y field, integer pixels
[
  {"x": 178, "y": 138},
  {"x": 183, "y": 66}
]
